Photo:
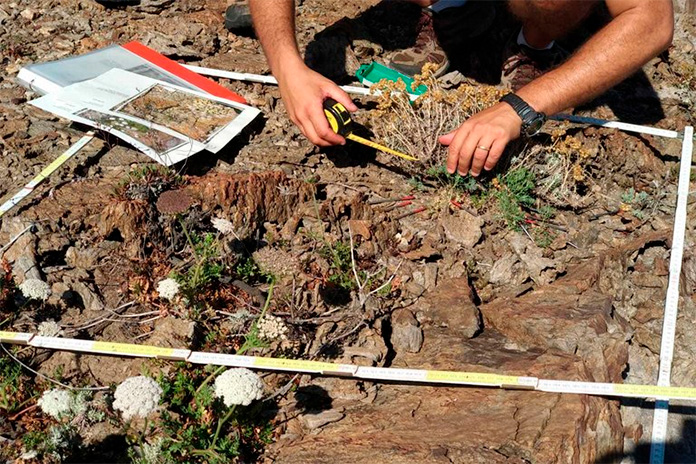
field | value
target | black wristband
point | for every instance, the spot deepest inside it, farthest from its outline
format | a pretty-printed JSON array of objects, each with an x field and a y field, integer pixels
[{"x": 532, "y": 121}]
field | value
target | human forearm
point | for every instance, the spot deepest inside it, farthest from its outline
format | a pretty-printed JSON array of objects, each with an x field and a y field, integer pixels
[
  {"x": 274, "y": 22},
  {"x": 303, "y": 90},
  {"x": 630, "y": 40}
]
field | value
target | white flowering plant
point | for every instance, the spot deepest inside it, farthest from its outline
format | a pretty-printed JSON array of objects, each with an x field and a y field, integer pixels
[
  {"x": 239, "y": 386},
  {"x": 137, "y": 397},
  {"x": 195, "y": 414},
  {"x": 35, "y": 289},
  {"x": 168, "y": 289},
  {"x": 57, "y": 403},
  {"x": 272, "y": 328},
  {"x": 223, "y": 226},
  {"x": 49, "y": 328}
]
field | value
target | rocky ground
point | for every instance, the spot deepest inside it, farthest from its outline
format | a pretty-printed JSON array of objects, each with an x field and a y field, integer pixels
[{"x": 470, "y": 291}]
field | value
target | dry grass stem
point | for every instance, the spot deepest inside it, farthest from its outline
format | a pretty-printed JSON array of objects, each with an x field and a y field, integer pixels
[{"x": 415, "y": 128}]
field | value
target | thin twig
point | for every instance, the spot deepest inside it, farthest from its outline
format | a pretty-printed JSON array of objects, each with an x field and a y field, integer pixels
[
  {"x": 525, "y": 231},
  {"x": 16, "y": 237},
  {"x": 69, "y": 387}
]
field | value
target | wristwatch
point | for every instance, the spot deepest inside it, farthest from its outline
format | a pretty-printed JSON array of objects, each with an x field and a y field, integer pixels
[{"x": 532, "y": 121}]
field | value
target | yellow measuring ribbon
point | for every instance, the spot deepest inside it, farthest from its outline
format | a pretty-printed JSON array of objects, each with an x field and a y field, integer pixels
[
  {"x": 130, "y": 349},
  {"x": 379, "y": 147}
]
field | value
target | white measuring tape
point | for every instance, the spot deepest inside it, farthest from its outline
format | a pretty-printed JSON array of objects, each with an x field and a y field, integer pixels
[
  {"x": 669, "y": 324},
  {"x": 43, "y": 175},
  {"x": 270, "y": 80},
  {"x": 423, "y": 376},
  {"x": 260, "y": 79},
  {"x": 618, "y": 125}
]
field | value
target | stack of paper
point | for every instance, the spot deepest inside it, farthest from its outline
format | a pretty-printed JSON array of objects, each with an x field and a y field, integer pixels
[{"x": 158, "y": 106}]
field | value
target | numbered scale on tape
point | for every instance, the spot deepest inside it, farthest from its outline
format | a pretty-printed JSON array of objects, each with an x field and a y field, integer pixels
[
  {"x": 422, "y": 376},
  {"x": 669, "y": 326}
]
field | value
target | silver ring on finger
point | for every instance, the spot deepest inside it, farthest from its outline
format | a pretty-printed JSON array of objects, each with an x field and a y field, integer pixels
[{"x": 481, "y": 147}]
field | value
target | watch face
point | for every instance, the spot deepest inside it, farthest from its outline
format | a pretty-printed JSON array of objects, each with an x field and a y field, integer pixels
[{"x": 534, "y": 126}]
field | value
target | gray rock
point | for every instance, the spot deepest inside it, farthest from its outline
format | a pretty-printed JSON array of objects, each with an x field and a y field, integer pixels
[
  {"x": 463, "y": 228},
  {"x": 450, "y": 305},
  {"x": 316, "y": 421},
  {"x": 406, "y": 332},
  {"x": 90, "y": 299}
]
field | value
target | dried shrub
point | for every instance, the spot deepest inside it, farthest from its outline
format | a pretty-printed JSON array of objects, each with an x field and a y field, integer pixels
[
  {"x": 561, "y": 169},
  {"x": 414, "y": 128}
]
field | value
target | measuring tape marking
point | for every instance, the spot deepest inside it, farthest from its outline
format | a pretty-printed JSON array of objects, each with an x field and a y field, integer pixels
[
  {"x": 15, "y": 337},
  {"x": 669, "y": 326},
  {"x": 426, "y": 376},
  {"x": 45, "y": 173}
]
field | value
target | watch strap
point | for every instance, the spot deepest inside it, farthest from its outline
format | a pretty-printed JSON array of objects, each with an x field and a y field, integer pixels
[{"x": 523, "y": 109}]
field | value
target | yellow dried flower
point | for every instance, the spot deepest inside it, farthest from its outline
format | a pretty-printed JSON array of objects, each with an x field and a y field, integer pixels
[{"x": 578, "y": 173}]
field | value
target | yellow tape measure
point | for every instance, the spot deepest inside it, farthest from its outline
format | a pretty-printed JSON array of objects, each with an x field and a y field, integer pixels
[{"x": 341, "y": 123}]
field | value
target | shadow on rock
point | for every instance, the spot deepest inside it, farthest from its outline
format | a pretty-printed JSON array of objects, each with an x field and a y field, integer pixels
[
  {"x": 682, "y": 449},
  {"x": 312, "y": 399}
]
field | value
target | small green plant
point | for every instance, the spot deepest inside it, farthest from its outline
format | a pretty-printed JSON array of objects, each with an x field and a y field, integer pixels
[
  {"x": 636, "y": 202},
  {"x": 248, "y": 271},
  {"x": 206, "y": 267},
  {"x": 54, "y": 445},
  {"x": 464, "y": 184},
  {"x": 416, "y": 184},
  {"x": 338, "y": 255},
  {"x": 514, "y": 193},
  {"x": 147, "y": 183},
  {"x": 34, "y": 439},
  {"x": 16, "y": 390},
  {"x": 252, "y": 339}
]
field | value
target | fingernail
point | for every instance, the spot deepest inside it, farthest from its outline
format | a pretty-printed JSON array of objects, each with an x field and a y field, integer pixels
[{"x": 475, "y": 174}]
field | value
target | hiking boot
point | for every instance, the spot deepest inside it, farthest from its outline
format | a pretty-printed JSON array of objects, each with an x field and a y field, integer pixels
[
  {"x": 237, "y": 15},
  {"x": 442, "y": 31},
  {"x": 426, "y": 50},
  {"x": 523, "y": 64}
]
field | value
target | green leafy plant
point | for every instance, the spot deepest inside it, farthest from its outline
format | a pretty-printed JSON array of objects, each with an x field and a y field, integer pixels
[
  {"x": 197, "y": 427},
  {"x": 16, "y": 390},
  {"x": 636, "y": 202},
  {"x": 338, "y": 255},
  {"x": 247, "y": 270},
  {"x": 147, "y": 183},
  {"x": 464, "y": 184},
  {"x": 515, "y": 192},
  {"x": 206, "y": 267}
]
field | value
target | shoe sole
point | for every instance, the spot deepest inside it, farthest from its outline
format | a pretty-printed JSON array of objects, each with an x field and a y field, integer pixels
[{"x": 412, "y": 70}]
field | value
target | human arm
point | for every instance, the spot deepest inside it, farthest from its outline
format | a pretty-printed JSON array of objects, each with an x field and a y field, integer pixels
[
  {"x": 640, "y": 29},
  {"x": 302, "y": 89}
]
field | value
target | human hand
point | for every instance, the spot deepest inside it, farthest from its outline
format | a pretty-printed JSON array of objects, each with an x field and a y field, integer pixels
[
  {"x": 480, "y": 141},
  {"x": 304, "y": 92}
]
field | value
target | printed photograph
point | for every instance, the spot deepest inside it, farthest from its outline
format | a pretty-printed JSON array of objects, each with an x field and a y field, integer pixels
[
  {"x": 159, "y": 141},
  {"x": 195, "y": 117}
]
